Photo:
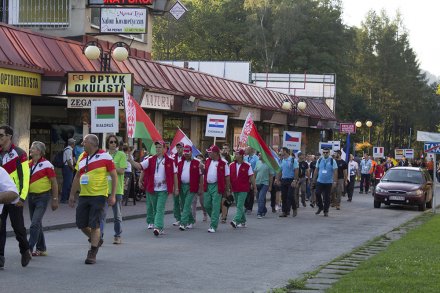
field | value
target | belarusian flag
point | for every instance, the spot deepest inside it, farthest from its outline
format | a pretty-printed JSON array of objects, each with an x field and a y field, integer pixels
[
  {"x": 103, "y": 112},
  {"x": 256, "y": 142},
  {"x": 139, "y": 125}
]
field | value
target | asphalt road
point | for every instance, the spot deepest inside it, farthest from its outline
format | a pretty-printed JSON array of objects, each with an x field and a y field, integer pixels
[{"x": 254, "y": 259}]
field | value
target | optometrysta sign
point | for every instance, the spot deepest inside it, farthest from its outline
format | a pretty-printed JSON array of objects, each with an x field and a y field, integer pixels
[
  {"x": 20, "y": 82},
  {"x": 98, "y": 84}
]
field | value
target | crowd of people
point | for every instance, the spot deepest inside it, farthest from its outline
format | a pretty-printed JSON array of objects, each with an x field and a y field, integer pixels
[{"x": 94, "y": 179}]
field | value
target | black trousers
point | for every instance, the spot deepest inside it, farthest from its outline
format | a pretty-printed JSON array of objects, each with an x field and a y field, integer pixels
[
  {"x": 16, "y": 215},
  {"x": 273, "y": 195},
  {"x": 350, "y": 186},
  {"x": 287, "y": 195},
  {"x": 365, "y": 182},
  {"x": 249, "y": 202},
  {"x": 323, "y": 191}
]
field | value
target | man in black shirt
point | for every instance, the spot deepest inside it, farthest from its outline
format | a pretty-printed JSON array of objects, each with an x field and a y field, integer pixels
[
  {"x": 342, "y": 180},
  {"x": 303, "y": 174},
  {"x": 312, "y": 169}
]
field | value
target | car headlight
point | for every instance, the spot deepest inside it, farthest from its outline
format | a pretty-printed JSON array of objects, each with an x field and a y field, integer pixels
[
  {"x": 380, "y": 190},
  {"x": 417, "y": 192}
]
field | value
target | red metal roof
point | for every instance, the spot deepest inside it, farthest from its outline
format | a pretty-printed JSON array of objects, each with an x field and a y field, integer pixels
[{"x": 54, "y": 56}]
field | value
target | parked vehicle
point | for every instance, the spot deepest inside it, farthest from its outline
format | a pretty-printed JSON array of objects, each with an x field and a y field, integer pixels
[{"x": 405, "y": 186}]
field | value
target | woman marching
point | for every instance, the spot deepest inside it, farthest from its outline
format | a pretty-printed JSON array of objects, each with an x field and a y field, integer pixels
[{"x": 43, "y": 188}]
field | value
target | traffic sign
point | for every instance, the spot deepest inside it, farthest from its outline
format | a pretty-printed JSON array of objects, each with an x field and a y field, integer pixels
[{"x": 432, "y": 147}]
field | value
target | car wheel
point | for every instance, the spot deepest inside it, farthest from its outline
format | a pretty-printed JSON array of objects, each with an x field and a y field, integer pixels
[
  {"x": 377, "y": 204},
  {"x": 422, "y": 206},
  {"x": 429, "y": 204}
]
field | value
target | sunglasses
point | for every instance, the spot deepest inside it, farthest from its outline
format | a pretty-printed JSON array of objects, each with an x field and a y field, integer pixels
[
  {"x": 112, "y": 141},
  {"x": 325, "y": 152}
]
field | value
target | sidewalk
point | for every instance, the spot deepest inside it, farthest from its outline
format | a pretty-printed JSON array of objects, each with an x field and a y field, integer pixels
[{"x": 64, "y": 216}]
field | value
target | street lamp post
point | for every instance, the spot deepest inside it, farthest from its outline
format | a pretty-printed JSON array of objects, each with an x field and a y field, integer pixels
[
  {"x": 294, "y": 107},
  {"x": 368, "y": 123},
  {"x": 93, "y": 51}
]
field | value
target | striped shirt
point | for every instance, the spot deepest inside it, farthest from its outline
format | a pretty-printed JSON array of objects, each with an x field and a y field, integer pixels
[
  {"x": 41, "y": 173},
  {"x": 96, "y": 167}
]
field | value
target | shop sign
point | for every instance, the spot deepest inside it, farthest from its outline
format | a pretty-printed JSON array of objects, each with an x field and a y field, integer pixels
[
  {"x": 86, "y": 102},
  {"x": 20, "y": 82},
  {"x": 105, "y": 116},
  {"x": 123, "y": 20},
  {"x": 347, "y": 128},
  {"x": 98, "y": 84},
  {"x": 157, "y": 101},
  {"x": 216, "y": 125}
]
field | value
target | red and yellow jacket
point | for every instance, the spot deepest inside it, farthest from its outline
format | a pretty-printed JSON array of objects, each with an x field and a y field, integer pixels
[{"x": 15, "y": 162}]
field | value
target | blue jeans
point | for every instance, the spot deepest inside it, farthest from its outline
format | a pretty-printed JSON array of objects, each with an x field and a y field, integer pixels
[
  {"x": 67, "y": 183},
  {"x": 262, "y": 190},
  {"x": 117, "y": 216},
  {"x": 37, "y": 208}
]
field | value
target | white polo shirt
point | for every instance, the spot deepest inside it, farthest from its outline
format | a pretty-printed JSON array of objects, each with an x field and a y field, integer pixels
[{"x": 212, "y": 171}]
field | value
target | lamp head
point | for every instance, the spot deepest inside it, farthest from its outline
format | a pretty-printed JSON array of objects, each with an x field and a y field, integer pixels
[
  {"x": 358, "y": 124},
  {"x": 369, "y": 123},
  {"x": 120, "y": 54},
  {"x": 92, "y": 52},
  {"x": 287, "y": 105},
  {"x": 302, "y": 105}
]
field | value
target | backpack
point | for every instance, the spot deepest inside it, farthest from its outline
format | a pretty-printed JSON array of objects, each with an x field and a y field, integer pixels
[
  {"x": 319, "y": 161},
  {"x": 58, "y": 161}
]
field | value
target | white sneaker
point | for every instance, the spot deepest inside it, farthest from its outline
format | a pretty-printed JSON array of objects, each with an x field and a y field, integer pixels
[
  {"x": 190, "y": 226},
  {"x": 176, "y": 223},
  {"x": 150, "y": 226},
  {"x": 211, "y": 230},
  {"x": 182, "y": 228},
  {"x": 241, "y": 225},
  {"x": 259, "y": 217}
]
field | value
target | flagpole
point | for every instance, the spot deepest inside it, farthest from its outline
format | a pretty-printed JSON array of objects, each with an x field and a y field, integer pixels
[{"x": 215, "y": 138}]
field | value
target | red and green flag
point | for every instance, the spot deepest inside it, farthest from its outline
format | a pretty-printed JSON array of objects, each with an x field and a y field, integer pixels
[
  {"x": 255, "y": 141},
  {"x": 139, "y": 125},
  {"x": 104, "y": 112}
]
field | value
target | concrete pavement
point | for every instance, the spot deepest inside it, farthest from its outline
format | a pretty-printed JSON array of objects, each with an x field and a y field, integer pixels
[{"x": 255, "y": 259}]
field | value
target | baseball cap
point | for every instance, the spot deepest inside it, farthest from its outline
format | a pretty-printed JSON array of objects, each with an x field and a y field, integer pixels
[
  {"x": 187, "y": 149},
  {"x": 71, "y": 140},
  {"x": 240, "y": 152},
  {"x": 214, "y": 149}
]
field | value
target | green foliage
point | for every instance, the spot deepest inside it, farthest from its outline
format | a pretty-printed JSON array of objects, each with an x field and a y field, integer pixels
[
  {"x": 378, "y": 74},
  {"x": 408, "y": 265}
]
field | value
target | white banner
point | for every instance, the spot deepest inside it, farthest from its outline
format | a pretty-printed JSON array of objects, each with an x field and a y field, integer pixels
[
  {"x": 428, "y": 136},
  {"x": 216, "y": 125},
  {"x": 105, "y": 116}
]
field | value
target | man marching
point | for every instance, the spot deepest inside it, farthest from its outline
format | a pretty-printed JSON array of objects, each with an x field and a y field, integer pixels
[
  {"x": 177, "y": 203},
  {"x": 241, "y": 176},
  {"x": 190, "y": 182},
  {"x": 216, "y": 183},
  {"x": 164, "y": 171}
]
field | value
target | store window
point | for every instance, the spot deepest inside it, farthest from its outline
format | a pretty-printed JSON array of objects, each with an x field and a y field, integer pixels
[
  {"x": 4, "y": 111},
  {"x": 171, "y": 124}
]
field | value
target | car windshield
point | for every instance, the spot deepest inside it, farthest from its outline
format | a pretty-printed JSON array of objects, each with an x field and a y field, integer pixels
[{"x": 402, "y": 175}]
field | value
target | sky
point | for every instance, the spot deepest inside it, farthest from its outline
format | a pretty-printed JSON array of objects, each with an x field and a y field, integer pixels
[{"x": 421, "y": 19}]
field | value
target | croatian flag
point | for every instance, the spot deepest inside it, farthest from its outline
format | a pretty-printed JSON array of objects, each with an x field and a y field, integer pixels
[
  {"x": 181, "y": 137},
  {"x": 215, "y": 122}
]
